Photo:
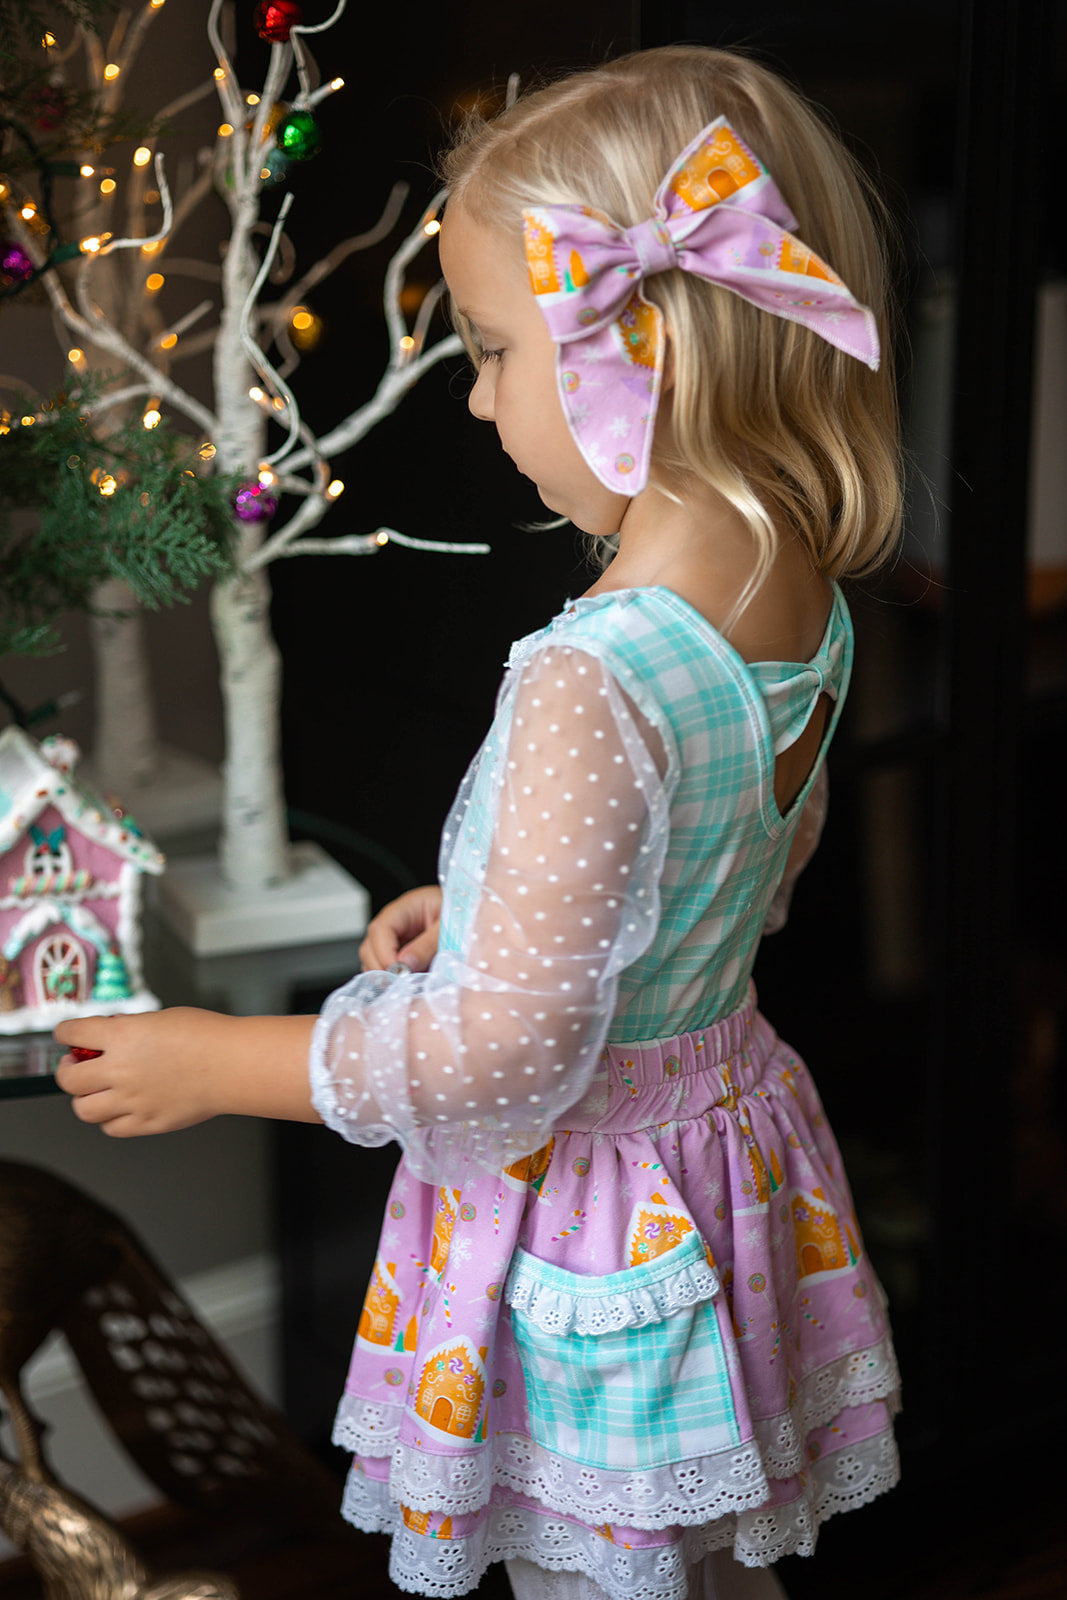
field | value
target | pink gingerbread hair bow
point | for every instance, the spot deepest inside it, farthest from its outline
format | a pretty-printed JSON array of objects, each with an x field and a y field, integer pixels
[{"x": 717, "y": 214}]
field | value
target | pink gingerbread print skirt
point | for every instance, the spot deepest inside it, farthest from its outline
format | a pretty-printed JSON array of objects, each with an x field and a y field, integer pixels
[{"x": 657, "y": 1336}]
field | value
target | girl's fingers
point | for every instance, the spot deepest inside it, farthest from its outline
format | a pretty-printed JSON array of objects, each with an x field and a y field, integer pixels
[{"x": 96, "y": 1107}]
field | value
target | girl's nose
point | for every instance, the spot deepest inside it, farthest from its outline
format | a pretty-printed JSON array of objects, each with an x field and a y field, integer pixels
[{"x": 480, "y": 399}]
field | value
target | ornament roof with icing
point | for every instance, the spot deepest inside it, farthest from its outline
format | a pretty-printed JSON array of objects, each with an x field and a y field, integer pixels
[{"x": 33, "y": 776}]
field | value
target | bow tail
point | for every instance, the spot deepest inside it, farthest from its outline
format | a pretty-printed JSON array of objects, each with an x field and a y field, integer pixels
[{"x": 609, "y": 386}]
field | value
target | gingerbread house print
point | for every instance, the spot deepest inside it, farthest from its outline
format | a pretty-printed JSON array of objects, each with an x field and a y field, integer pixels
[
  {"x": 431, "y": 1524},
  {"x": 529, "y": 1171},
  {"x": 824, "y": 1242},
  {"x": 71, "y": 875},
  {"x": 655, "y": 1228},
  {"x": 444, "y": 1221},
  {"x": 451, "y": 1387},
  {"x": 378, "y": 1317}
]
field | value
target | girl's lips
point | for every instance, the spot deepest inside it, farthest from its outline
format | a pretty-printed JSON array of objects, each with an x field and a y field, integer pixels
[{"x": 80, "y": 1053}]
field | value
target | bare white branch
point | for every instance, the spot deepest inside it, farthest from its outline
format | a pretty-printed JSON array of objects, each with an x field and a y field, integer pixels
[
  {"x": 435, "y": 546},
  {"x": 391, "y": 390},
  {"x": 346, "y": 544}
]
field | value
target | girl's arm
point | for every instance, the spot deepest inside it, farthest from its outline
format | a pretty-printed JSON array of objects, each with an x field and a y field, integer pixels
[
  {"x": 166, "y": 1070},
  {"x": 490, "y": 1046}
]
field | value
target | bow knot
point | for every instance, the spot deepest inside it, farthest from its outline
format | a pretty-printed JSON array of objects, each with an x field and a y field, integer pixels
[
  {"x": 717, "y": 214},
  {"x": 653, "y": 246}
]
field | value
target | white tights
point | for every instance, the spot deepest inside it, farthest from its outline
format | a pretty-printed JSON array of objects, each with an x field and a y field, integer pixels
[{"x": 717, "y": 1577}]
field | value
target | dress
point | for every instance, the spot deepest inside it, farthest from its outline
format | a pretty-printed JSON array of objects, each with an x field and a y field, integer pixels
[{"x": 624, "y": 1317}]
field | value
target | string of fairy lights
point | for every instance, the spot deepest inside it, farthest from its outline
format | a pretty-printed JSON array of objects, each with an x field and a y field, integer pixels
[{"x": 261, "y": 138}]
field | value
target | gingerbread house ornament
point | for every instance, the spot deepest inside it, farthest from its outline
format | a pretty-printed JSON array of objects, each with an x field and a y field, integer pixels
[{"x": 71, "y": 879}]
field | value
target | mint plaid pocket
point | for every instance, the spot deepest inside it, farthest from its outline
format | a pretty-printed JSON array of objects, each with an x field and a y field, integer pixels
[{"x": 650, "y": 1386}]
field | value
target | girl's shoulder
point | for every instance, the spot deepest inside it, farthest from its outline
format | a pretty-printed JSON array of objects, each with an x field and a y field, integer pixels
[{"x": 649, "y": 628}]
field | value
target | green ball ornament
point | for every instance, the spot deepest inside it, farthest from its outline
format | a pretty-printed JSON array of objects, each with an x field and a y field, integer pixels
[{"x": 298, "y": 135}]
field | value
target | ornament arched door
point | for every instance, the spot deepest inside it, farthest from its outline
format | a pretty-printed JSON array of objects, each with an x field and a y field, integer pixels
[{"x": 61, "y": 968}]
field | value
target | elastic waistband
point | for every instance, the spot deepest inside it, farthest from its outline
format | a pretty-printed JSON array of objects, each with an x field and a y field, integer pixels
[{"x": 639, "y": 1084}]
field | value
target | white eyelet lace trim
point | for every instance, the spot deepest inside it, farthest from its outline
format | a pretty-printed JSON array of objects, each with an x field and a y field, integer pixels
[
  {"x": 561, "y": 1303},
  {"x": 463, "y": 1483},
  {"x": 687, "y": 1492},
  {"x": 444, "y": 1568}
]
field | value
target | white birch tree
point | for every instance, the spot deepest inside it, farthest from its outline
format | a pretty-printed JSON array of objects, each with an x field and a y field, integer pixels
[{"x": 253, "y": 359}]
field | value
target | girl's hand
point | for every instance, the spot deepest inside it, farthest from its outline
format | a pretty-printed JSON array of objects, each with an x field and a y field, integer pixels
[
  {"x": 164, "y": 1070},
  {"x": 406, "y": 930}
]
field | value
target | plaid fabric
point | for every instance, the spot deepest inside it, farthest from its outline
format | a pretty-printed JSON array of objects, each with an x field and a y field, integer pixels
[
  {"x": 629, "y": 1398},
  {"x": 728, "y": 844}
]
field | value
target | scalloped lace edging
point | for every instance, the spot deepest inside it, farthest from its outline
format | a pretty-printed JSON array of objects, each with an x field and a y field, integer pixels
[
  {"x": 444, "y": 1567},
  {"x": 858, "y": 1379},
  {"x": 677, "y": 1493},
  {"x": 561, "y": 1303}
]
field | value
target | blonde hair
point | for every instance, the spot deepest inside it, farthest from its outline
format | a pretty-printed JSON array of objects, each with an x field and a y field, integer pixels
[{"x": 792, "y": 432}]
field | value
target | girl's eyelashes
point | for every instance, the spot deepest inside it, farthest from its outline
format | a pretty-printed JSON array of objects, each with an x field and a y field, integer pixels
[{"x": 489, "y": 355}]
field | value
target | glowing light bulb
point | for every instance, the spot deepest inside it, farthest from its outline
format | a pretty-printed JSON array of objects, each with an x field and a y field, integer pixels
[
  {"x": 150, "y": 247},
  {"x": 154, "y": 282},
  {"x": 28, "y": 210},
  {"x": 154, "y": 5},
  {"x": 302, "y": 318},
  {"x": 87, "y": 171},
  {"x": 334, "y": 489},
  {"x": 256, "y": 394},
  {"x": 152, "y": 418},
  {"x": 266, "y": 477},
  {"x": 251, "y": 99},
  {"x": 220, "y": 72},
  {"x": 111, "y": 71},
  {"x": 107, "y": 485},
  {"x": 27, "y": 422},
  {"x": 337, "y": 83},
  {"x": 108, "y": 186},
  {"x": 75, "y": 356},
  {"x": 91, "y": 245},
  {"x": 168, "y": 341},
  {"x": 225, "y": 130},
  {"x": 48, "y": 42},
  {"x": 142, "y": 156},
  {"x": 432, "y": 227},
  {"x": 381, "y": 537},
  {"x": 407, "y": 342},
  {"x": 206, "y": 451},
  {"x": 278, "y": 403}
]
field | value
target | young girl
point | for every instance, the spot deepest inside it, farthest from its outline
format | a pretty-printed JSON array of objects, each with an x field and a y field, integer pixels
[{"x": 621, "y": 1333}]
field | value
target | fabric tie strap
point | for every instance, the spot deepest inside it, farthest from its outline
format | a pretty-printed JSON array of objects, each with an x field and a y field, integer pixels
[{"x": 719, "y": 215}]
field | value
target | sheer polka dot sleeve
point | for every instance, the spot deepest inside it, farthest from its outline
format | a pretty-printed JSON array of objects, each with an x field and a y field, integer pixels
[{"x": 552, "y": 873}]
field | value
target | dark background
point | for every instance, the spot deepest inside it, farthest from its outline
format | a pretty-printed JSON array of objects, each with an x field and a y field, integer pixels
[
  {"x": 922, "y": 973},
  {"x": 923, "y": 970}
]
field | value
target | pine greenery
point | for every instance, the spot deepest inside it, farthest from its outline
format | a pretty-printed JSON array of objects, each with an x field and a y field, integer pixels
[{"x": 77, "y": 508}]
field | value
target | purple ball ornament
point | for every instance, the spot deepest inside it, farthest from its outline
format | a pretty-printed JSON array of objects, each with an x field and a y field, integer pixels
[
  {"x": 275, "y": 18},
  {"x": 15, "y": 264},
  {"x": 253, "y": 502}
]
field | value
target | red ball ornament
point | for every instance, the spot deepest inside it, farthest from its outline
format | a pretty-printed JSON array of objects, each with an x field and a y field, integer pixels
[
  {"x": 50, "y": 103},
  {"x": 274, "y": 19}
]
